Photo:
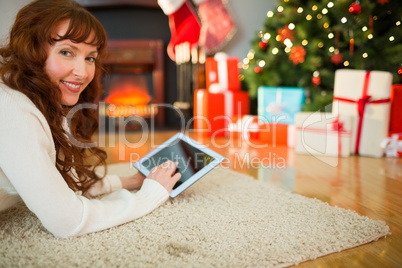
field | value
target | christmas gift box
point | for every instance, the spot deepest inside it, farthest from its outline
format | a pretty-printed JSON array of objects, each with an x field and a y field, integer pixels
[
  {"x": 276, "y": 134},
  {"x": 213, "y": 112},
  {"x": 364, "y": 95},
  {"x": 323, "y": 134},
  {"x": 395, "y": 122},
  {"x": 222, "y": 73},
  {"x": 392, "y": 145},
  {"x": 279, "y": 104},
  {"x": 244, "y": 127},
  {"x": 201, "y": 121}
]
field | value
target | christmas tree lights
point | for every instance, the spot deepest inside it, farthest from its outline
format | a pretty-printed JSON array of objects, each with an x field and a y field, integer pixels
[{"x": 303, "y": 42}]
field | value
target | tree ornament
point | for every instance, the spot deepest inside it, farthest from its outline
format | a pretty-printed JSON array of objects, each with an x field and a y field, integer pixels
[
  {"x": 316, "y": 79},
  {"x": 332, "y": 38},
  {"x": 258, "y": 69},
  {"x": 383, "y": 2},
  {"x": 286, "y": 33},
  {"x": 371, "y": 23},
  {"x": 337, "y": 58},
  {"x": 351, "y": 43},
  {"x": 355, "y": 8},
  {"x": 263, "y": 45},
  {"x": 297, "y": 54}
]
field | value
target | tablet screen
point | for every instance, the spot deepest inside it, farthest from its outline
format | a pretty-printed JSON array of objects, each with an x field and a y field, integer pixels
[{"x": 190, "y": 159}]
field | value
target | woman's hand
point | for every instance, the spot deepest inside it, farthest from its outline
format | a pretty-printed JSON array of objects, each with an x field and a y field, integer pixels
[
  {"x": 165, "y": 174},
  {"x": 132, "y": 183}
]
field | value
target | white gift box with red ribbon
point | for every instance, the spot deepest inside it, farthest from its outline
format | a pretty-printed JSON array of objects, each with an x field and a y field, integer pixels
[
  {"x": 323, "y": 134},
  {"x": 364, "y": 95}
]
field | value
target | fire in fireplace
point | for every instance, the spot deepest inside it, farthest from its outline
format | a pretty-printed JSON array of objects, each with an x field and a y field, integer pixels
[
  {"x": 134, "y": 84},
  {"x": 128, "y": 90},
  {"x": 129, "y": 95}
]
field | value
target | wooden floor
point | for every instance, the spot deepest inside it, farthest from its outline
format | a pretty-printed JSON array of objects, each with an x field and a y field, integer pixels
[{"x": 371, "y": 187}]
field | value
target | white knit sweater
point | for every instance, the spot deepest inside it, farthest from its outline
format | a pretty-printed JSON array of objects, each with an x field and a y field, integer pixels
[{"x": 28, "y": 171}]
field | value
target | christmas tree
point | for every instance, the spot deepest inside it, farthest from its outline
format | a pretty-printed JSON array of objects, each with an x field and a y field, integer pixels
[{"x": 303, "y": 42}]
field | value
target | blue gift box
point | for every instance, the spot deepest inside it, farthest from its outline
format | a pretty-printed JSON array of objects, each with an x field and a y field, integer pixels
[{"x": 279, "y": 104}]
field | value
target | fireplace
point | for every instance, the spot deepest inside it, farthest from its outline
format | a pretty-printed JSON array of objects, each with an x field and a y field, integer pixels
[{"x": 134, "y": 84}]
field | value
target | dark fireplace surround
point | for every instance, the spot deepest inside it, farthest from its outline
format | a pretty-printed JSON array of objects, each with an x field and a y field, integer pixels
[
  {"x": 138, "y": 33},
  {"x": 129, "y": 64}
]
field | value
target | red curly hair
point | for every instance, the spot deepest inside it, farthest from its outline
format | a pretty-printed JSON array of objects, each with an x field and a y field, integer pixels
[{"x": 22, "y": 67}]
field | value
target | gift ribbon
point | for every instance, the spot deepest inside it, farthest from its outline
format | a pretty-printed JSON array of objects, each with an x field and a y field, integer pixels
[
  {"x": 201, "y": 109},
  {"x": 337, "y": 125},
  {"x": 361, "y": 105},
  {"x": 279, "y": 96},
  {"x": 223, "y": 83},
  {"x": 277, "y": 106},
  {"x": 247, "y": 124},
  {"x": 228, "y": 103},
  {"x": 337, "y": 128}
]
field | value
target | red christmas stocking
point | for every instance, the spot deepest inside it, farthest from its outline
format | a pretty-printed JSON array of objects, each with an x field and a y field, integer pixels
[
  {"x": 218, "y": 26},
  {"x": 184, "y": 24}
]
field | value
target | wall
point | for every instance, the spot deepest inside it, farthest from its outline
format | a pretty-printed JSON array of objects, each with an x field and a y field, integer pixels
[
  {"x": 8, "y": 10},
  {"x": 129, "y": 22},
  {"x": 249, "y": 17}
]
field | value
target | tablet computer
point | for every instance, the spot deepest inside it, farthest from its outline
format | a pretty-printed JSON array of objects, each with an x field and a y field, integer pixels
[{"x": 195, "y": 160}]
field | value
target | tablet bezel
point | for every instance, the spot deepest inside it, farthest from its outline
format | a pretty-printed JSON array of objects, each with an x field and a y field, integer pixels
[{"x": 217, "y": 159}]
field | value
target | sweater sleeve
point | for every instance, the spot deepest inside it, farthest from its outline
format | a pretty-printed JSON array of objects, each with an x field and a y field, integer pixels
[
  {"x": 27, "y": 159},
  {"x": 110, "y": 183}
]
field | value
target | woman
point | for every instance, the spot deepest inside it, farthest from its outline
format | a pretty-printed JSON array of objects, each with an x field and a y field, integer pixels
[{"x": 51, "y": 63}]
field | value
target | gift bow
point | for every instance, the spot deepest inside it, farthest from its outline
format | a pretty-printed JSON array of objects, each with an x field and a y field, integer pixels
[
  {"x": 362, "y": 102},
  {"x": 223, "y": 83},
  {"x": 337, "y": 125},
  {"x": 274, "y": 108},
  {"x": 361, "y": 105},
  {"x": 277, "y": 106},
  {"x": 392, "y": 146}
]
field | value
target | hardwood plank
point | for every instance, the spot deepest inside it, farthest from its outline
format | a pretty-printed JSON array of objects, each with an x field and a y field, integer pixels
[
  {"x": 318, "y": 263},
  {"x": 363, "y": 256},
  {"x": 391, "y": 246}
]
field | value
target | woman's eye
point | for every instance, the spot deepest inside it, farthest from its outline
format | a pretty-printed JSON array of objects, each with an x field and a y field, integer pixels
[
  {"x": 91, "y": 59},
  {"x": 65, "y": 53}
]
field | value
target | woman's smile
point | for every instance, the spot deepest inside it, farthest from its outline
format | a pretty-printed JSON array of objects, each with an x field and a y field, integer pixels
[{"x": 72, "y": 86}]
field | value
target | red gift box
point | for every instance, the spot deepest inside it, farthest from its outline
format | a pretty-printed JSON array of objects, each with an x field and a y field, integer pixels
[
  {"x": 245, "y": 127},
  {"x": 250, "y": 127},
  {"x": 222, "y": 73},
  {"x": 395, "y": 124},
  {"x": 214, "y": 111},
  {"x": 277, "y": 134}
]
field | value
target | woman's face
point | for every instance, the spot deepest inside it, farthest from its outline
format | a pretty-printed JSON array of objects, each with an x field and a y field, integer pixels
[{"x": 70, "y": 65}]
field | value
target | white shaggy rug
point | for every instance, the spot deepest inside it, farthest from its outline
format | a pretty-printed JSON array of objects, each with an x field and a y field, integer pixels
[{"x": 224, "y": 220}]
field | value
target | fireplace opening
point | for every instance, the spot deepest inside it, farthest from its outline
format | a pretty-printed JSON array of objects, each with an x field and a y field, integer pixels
[
  {"x": 134, "y": 84},
  {"x": 128, "y": 95}
]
